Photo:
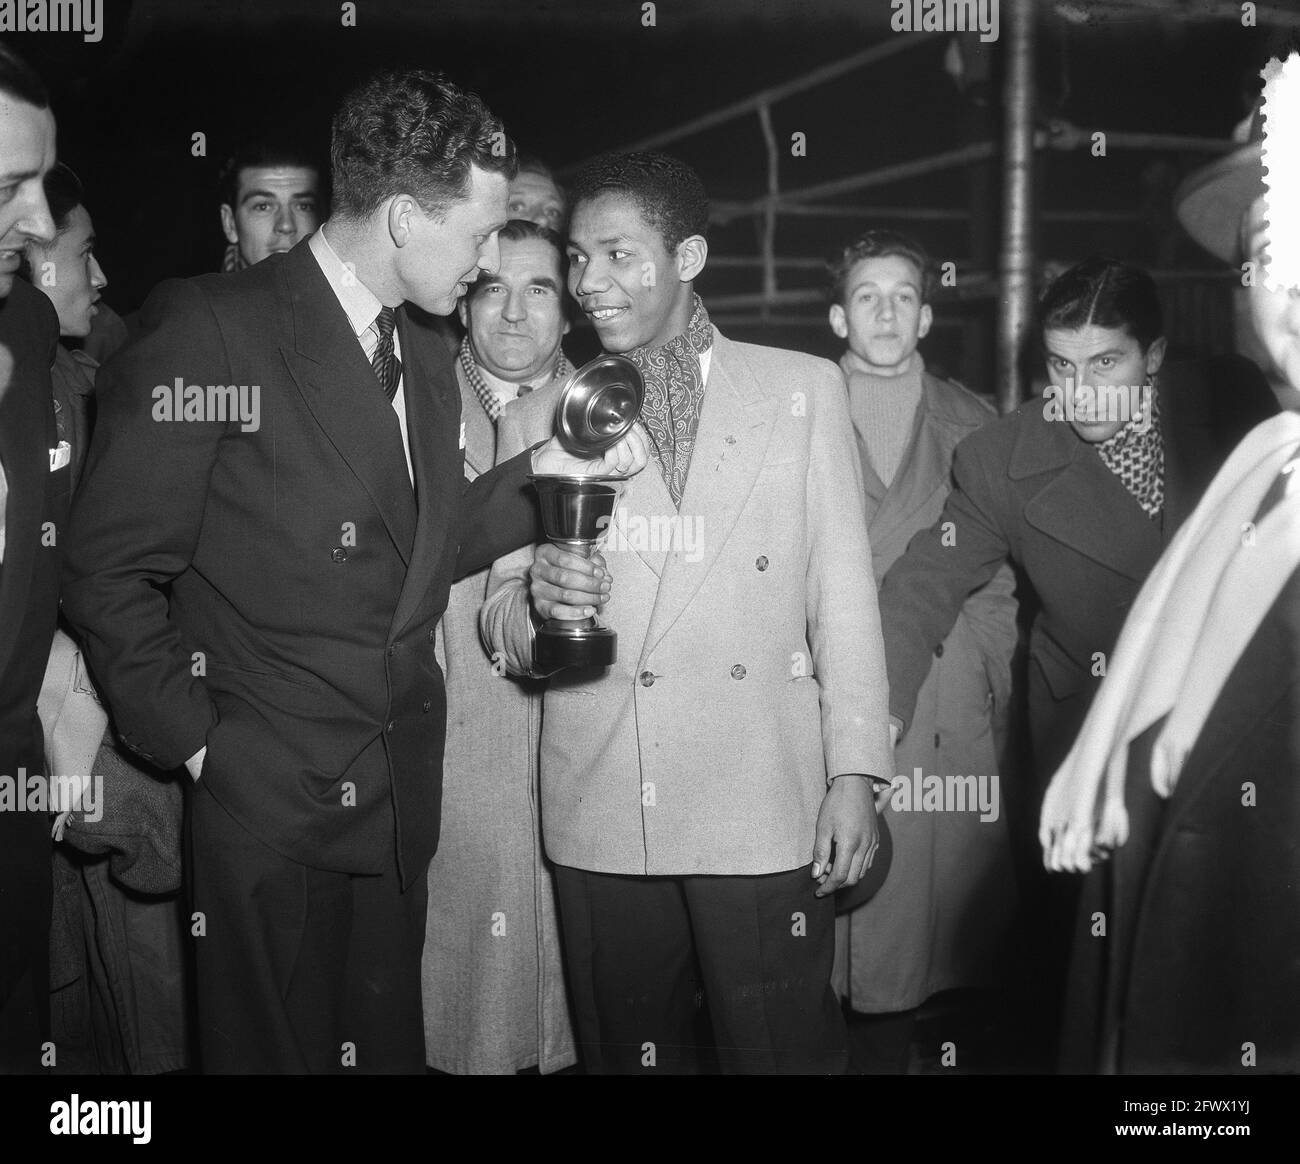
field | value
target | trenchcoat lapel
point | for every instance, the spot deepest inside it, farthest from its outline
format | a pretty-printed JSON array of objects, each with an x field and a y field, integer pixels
[
  {"x": 736, "y": 424},
  {"x": 480, "y": 431},
  {"x": 340, "y": 389},
  {"x": 1083, "y": 504},
  {"x": 921, "y": 471}
]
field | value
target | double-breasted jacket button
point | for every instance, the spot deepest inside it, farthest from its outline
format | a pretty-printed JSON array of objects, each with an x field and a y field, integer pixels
[
  {"x": 339, "y": 554},
  {"x": 392, "y": 649},
  {"x": 427, "y": 705},
  {"x": 647, "y": 679},
  {"x": 433, "y": 634},
  {"x": 938, "y": 651},
  {"x": 761, "y": 562},
  {"x": 392, "y": 723},
  {"x": 738, "y": 672}
]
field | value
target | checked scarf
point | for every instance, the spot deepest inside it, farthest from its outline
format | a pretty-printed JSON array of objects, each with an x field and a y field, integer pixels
[
  {"x": 483, "y": 390},
  {"x": 1138, "y": 459}
]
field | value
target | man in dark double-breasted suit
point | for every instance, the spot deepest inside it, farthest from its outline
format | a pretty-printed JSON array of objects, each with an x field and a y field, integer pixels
[{"x": 273, "y": 513}]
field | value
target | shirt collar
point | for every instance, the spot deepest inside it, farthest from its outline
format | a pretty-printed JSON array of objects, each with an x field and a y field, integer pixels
[{"x": 357, "y": 300}]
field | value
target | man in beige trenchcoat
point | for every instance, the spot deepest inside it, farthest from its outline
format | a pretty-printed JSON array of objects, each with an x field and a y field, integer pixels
[
  {"x": 493, "y": 985},
  {"x": 941, "y": 918}
]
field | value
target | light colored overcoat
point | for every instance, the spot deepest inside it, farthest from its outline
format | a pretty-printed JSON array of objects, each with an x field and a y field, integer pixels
[
  {"x": 938, "y": 920},
  {"x": 494, "y": 995},
  {"x": 750, "y": 665}
]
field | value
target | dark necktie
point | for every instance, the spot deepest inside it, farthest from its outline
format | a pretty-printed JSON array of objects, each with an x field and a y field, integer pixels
[{"x": 385, "y": 362}]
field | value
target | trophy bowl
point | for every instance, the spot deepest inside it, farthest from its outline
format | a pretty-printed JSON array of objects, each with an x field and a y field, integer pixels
[{"x": 597, "y": 407}]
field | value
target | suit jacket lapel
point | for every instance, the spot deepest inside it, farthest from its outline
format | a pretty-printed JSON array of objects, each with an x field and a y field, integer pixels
[
  {"x": 872, "y": 486},
  {"x": 433, "y": 424},
  {"x": 736, "y": 423},
  {"x": 340, "y": 389},
  {"x": 26, "y": 436}
]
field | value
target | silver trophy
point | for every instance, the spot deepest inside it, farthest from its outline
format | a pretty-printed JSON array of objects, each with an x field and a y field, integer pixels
[{"x": 597, "y": 408}]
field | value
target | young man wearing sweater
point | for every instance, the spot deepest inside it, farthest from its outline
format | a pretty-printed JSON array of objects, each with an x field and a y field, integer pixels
[{"x": 939, "y": 919}]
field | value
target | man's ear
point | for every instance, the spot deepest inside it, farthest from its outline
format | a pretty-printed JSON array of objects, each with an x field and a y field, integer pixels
[
  {"x": 925, "y": 322},
  {"x": 400, "y": 211},
  {"x": 1155, "y": 355},
  {"x": 839, "y": 321},
  {"x": 462, "y": 309},
  {"x": 228, "y": 223},
  {"x": 692, "y": 254}
]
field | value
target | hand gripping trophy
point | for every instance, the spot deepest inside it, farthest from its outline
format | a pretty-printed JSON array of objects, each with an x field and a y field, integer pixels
[{"x": 597, "y": 408}]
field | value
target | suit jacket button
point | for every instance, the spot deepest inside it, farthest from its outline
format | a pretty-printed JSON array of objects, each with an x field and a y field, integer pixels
[
  {"x": 761, "y": 563},
  {"x": 738, "y": 672},
  {"x": 392, "y": 650},
  {"x": 647, "y": 679},
  {"x": 433, "y": 635},
  {"x": 392, "y": 723},
  {"x": 339, "y": 554},
  {"x": 938, "y": 651},
  {"x": 428, "y": 703}
]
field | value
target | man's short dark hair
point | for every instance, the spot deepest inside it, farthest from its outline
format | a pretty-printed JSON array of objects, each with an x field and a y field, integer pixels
[
  {"x": 64, "y": 193},
  {"x": 878, "y": 244},
  {"x": 263, "y": 151},
  {"x": 1102, "y": 292},
  {"x": 519, "y": 229},
  {"x": 413, "y": 132},
  {"x": 667, "y": 191},
  {"x": 20, "y": 82}
]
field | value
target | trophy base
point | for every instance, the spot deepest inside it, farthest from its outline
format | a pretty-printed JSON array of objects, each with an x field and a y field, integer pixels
[{"x": 566, "y": 643}]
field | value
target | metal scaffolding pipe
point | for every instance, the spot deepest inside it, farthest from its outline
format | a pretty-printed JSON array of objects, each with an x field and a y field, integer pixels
[
  {"x": 977, "y": 151},
  {"x": 726, "y": 212},
  {"x": 773, "y": 196},
  {"x": 1015, "y": 263},
  {"x": 894, "y": 173},
  {"x": 1102, "y": 10},
  {"x": 820, "y": 76}
]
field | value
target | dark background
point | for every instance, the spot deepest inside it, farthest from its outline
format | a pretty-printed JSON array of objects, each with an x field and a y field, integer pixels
[{"x": 571, "y": 79}]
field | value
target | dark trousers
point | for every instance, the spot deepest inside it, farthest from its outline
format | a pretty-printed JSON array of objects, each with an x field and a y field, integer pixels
[
  {"x": 300, "y": 969},
  {"x": 761, "y": 948},
  {"x": 26, "y": 895}
]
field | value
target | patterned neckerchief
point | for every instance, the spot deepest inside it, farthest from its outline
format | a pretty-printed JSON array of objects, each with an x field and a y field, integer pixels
[
  {"x": 674, "y": 395},
  {"x": 483, "y": 390},
  {"x": 1137, "y": 458}
]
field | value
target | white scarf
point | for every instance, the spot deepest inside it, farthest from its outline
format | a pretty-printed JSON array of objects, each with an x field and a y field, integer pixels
[{"x": 1191, "y": 621}]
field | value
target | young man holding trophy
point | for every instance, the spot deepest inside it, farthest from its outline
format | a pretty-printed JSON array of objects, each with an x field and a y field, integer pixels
[{"x": 705, "y": 793}]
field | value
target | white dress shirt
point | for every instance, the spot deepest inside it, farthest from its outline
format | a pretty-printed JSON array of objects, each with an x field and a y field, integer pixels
[{"x": 362, "y": 309}]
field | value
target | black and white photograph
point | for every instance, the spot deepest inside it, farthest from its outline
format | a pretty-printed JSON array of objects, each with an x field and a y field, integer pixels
[{"x": 598, "y": 537}]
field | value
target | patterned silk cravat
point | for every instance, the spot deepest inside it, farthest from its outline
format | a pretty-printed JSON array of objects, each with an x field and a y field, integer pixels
[
  {"x": 385, "y": 362},
  {"x": 674, "y": 395}
]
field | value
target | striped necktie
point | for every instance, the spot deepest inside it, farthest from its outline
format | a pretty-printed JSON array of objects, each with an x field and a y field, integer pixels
[{"x": 385, "y": 362}]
